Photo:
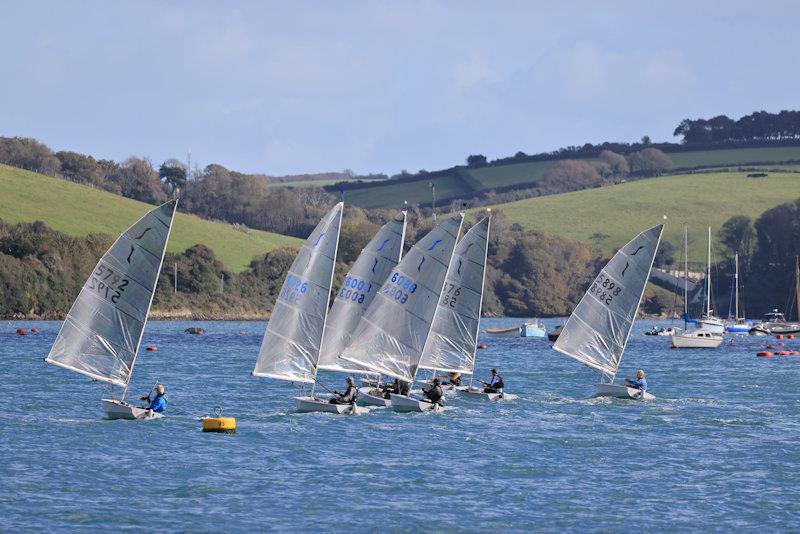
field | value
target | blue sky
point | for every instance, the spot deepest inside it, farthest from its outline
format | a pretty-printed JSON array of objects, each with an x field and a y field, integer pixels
[{"x": 292, "y": 87}]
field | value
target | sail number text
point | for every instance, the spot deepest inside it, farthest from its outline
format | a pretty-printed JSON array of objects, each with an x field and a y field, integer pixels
[
  {"x": 399, "y": 287},
  {"x": 450, "y": 295},
  {"x": 107, "y": 283},
  {"x": 355, "y": 289},
  {"x": 605, "y": 289},
  {"x": 293, "y": 289}
]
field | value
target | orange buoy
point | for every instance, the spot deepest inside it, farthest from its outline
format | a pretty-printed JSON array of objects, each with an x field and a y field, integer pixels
[
  {"x": 764, "y": 354},
  {"x": 770, "y": 346},
  {"x": 22, "y": 332},
  {"x": 782, "y": 353},
  {"x": 482, "y": 346},
  {"x": 789, "y": 336},
  {"x": 152, "y": 347},
  {"x": 34, "y": 330},
  {"x": 779, "y": 336}
]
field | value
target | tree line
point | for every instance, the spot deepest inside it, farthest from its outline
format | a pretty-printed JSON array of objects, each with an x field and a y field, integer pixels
[{"x": 758, "y": 126}]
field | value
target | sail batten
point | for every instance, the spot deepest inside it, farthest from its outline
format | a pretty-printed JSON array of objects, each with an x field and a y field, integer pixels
[
  {"x": 391, "y": 335},
  {"x": 291, "y": 345},
  {"x": 453, "y": 338},
  {"x": 598, "y": 330},
  {"x": 362, "y": 283},
  {"x": 102, "y": 332}
]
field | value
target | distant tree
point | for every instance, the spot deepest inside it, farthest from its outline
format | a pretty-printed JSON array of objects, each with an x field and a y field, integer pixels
[
  {"x": 570, "y": 175},
  {"x": 665, "y": 257},
  {"x": 173, "y": 173},
  {"x": 617, "y": 164},
  {"x": 649, "y": 162},
  {"x": 139, "y": 181},
  {"x": 81, "y": 169},
  {"x": 646, "y": 140},
  {"x": 29, "y": 154},
  {"x": 737, "y": 235},
  {"x": 477, "y": 160}
]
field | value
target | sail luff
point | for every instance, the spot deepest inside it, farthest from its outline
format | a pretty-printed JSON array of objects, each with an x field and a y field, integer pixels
[
  {"x": 292, "y": 340},
  {"x": 393, "y": 331},
  {"x": 99, "y": 337},
  {"x": 453, "y": 337},
  {"x": 330, "y": 288},
  {"x": 598, "y": 330},
  {"x": 153, "y": 294}
]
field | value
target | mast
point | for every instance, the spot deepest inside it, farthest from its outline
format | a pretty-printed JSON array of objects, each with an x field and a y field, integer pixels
[
  {"x": 685, "y": 275},
  {"x": 797, "y": 284},
  {"x": 736, "y": 281},
  {"x": 708, "y": 276}
]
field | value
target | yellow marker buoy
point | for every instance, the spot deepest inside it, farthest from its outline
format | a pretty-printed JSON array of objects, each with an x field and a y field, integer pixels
[{"x": 225, "y": 425}]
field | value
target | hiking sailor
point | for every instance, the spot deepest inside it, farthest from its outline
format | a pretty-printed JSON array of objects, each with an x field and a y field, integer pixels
[
  {"x": 435, "y": 393},
  {"x": 159, "y": 403},
  {"x": 640, "y": 382},
  {"x": 495, "y": 384},
  {"x": 349, "y": 396}
]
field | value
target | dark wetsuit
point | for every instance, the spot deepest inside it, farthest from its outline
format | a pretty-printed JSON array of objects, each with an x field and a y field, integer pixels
[
  {"x": 435, "y": 394},
  {"x": 348, "y": 397},
  {"x": 495, "y": 385}
]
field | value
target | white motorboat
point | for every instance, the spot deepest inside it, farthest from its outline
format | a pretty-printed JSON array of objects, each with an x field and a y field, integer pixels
[
  {"x": 620, "y": 391},
  {"x": 472, "y": 392},
  {"x": 308, "y": 404},
  {"x": 598, "y": 330},
  {"x": 696, "y": 339},
  {"x": 101, "y": 336}
]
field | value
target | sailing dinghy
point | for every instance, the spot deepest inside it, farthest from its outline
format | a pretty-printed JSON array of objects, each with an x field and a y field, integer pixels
[
  {"x": 291, "y": 346},
  {"x": 101, "y": 335},
  {"x": 361, "y": 284},
  {"x": 392, "y": 333},
  {"x": 598, "y": 330}
]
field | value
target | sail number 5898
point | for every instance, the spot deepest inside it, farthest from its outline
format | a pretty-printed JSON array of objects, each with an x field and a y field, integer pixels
[{"x": 605, "y": 289}]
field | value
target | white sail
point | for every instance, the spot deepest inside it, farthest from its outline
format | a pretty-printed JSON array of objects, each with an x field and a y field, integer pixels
[
  {"x": 454, "y": 334},
  {"x": 290, "y": 348},
  {"x": 392, "y": 333},
  {"x": 361, "y": 284},
  {"x": 101, "y": 335},
  {"x": 597, "y": 331}
]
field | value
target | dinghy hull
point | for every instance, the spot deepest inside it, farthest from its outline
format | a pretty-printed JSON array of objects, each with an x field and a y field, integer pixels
[
  {"x": 368, "y": 396},
  {"x": 116, "y": 409},
  {"x": 621, "y": 392},
  {"x": 401, "y": 403},
  {"x": 312, "y": 404},
  {"x": 503, "y": 332},
  {"x": 478, "y": 394}
]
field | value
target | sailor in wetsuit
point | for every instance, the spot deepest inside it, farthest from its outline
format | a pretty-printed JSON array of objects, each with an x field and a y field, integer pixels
[
  {"x": 640, "y": 383},
  {"x": 454, "y": 379},
  {"x": 159, "y": 403},
  {"x": 435, "y": 394},
  {"x": 495, "y": 384},
  {"x": 349, "y": 396}
]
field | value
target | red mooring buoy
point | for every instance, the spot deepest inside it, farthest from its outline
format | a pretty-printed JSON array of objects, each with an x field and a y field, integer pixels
[
  {"x": 152, "y": 347},
  {"x": 22, "y": 332},
  {"x": 764, "y": 354}
]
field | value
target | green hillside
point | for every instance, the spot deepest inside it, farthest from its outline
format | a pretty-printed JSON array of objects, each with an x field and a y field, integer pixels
[
  {"x": 621, "y": 211},
  {"x": 79, "y": 210},
  {"x": 449, "y": 186}
]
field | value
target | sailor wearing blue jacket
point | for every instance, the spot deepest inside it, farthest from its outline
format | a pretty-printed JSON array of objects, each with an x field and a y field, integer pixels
[
  {"x": 159, "y": 403},
  {"x": 639, "y": 383}
]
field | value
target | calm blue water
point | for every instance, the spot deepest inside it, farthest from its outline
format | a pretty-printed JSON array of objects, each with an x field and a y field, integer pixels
[{"x": 718, "y": 450}]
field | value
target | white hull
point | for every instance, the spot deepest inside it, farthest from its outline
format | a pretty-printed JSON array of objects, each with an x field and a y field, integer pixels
[
  {"x": 472, "y": 392},
  {"x": 116, "y": 409},
  {"x": 715, "y": 326},
  {"x": 621, "y": 392},
  {"x": 503, "y": 332},
  {"x": 696, "y": 340},
  {"x": 312, "y": 404},
  {"x": 401, "y": 403},
  {"x": 368, "y": 396}
]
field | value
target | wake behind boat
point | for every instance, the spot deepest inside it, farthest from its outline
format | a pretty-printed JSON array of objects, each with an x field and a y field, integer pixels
[
  {"x": 598, "y": 330},
  {"x": 102, "y": 333}
]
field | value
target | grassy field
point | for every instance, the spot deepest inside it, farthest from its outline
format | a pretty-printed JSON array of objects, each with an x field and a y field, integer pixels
[
  {"x": 518, "y": 173},
  {"x": 621, "y": 211},
  {"x": 79, "y": 210}
]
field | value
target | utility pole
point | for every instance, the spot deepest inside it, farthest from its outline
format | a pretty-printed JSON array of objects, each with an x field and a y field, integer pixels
[
  {"x": 433, "y": 202},
  {"x": 222, "y": 283},
  {"x": 175, "y": 278}
]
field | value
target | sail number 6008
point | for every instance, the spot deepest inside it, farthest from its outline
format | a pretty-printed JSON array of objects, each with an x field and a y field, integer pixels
[{"x": 399, "y": 287}]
